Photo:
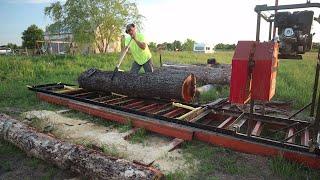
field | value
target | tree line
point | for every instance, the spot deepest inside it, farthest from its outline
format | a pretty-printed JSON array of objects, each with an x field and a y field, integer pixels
[
  {"x": 176, "y": 45},
  {"x": 186, "y": 46},
  {"x": 98, "y": 23},
  {"x": 34, "y": 33}
]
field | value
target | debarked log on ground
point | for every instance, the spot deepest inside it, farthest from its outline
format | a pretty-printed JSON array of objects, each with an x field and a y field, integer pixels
[
  {"x": 87, "y": 162},
  {"x": 218, "y": 74},
  {"x": 176, "y": 85}
]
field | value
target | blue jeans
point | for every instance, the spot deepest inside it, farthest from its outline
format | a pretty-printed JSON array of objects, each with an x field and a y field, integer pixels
[{"x": 148, "y": 67}]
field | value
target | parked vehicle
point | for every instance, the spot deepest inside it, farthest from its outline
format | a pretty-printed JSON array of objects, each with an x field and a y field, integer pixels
[
  {"x": 203, "y": 48},
  {"x": 5, "y": 50}
]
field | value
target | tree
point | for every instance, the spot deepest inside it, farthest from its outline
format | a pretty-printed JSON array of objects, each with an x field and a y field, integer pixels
[
  {"x": 93, "y": 21},
  {"x": 225, "y": 46},
  {"x": 168, "y": 46},
  {"x": 176, "y": 45},
  {"x": 152, "y": 46},
  {"x": 31, "y": 35},
  {"x": 219, "y": 46},
  {"x": 12, "y": 46},
  {"x": 188, "y": 45}
]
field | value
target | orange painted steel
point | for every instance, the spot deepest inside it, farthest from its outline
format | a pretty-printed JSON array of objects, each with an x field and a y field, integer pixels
[
  {"x": 257, "y": 148},
  {"x": 187, "y": 133},
  {"x": 225, "y": 123},
  {"x": 265, "y": 71},
  {"x": 257, "y": 129},
  {"x": 155, "y": 126},
  {"x": 174, "y": 113},
  {"x": 265, "y": 63}
]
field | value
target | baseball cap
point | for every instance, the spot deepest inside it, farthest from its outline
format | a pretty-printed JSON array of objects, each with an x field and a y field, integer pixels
[{"x": 128, "y": 27}]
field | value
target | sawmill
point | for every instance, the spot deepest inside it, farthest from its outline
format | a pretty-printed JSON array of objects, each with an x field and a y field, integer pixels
[{"x": 162, "y": 101}]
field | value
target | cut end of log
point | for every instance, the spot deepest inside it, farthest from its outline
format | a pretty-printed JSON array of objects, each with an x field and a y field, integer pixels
[{"x": 189, "y": 88}]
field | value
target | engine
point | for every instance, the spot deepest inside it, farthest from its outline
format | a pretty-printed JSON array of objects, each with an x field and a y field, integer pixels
[{"x": 294, "y": 32}]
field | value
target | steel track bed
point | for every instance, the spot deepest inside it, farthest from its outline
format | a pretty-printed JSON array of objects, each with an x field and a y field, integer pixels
[{"x": 217, "y": 123}]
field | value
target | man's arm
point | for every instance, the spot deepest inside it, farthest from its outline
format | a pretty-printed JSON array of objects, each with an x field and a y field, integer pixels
[{"x": 141, "y": 45}]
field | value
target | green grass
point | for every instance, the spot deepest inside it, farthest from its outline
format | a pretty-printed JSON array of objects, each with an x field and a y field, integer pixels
[
  {"x": 9, "y": 154},
  {"x": 7, "y": 149},
  {"x": 112, "y": 151},
  {"x": 211, "y": 159},
  {"x": 125, "y": 127},
  {"x": 51, "y": 171},
  {"x": 18, "y": 71},
  {"x": 176, "y": 175},
  {"x": 33, "y": 162},
  {"x": 289, "y": 170},
  {"x": 294, "y": 82},
  {"x": 6, "y": 165},
  {"x": 215, "y": 93},
  {"x": 139, "y": 136}
]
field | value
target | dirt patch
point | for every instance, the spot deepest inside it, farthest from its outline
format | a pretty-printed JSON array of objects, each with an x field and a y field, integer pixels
[{"x": 154, "y": 148}]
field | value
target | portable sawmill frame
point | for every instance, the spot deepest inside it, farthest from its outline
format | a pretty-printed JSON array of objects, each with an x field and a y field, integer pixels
[{"x": 219, "y": 122}]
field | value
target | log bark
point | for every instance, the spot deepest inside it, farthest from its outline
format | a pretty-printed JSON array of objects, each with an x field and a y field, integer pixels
[
  {"x": 176, "y": 85},
  {"x": 217, "y": 74},
  {"x": 87, "y": 162}
]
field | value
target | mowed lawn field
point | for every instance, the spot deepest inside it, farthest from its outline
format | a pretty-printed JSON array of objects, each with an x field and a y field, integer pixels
[{"x": 294, "y": 83}]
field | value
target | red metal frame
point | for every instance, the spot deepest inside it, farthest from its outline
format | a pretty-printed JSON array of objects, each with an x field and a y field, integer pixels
[
  {"x": 257, "y": 148},
  {"x": 184, "y": 132},
  {"x": 121, "y": 117}
]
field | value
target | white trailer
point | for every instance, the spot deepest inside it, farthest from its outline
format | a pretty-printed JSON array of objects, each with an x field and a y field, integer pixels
[
  {"x": 203, "y": 48},
  {"x": 5, "y": 51}
]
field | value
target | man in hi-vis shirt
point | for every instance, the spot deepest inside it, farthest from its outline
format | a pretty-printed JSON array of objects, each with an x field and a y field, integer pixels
[{"x": 139, "y": 50}]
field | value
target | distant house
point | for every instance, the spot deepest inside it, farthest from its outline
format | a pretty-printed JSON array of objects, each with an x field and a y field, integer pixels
[
  {"x": 203, "y": 48},
  {"x": 63, "y": 43},
  {"x": 56, "y": 43}
]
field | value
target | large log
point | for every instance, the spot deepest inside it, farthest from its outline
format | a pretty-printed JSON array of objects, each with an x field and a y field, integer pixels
[
  {"x": 176, "y": 85},
  {"x": 217, "y": 74},
  {"x": 87, "y": 162}
]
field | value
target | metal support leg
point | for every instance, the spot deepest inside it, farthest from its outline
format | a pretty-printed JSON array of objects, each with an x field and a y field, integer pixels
[
  {"x": 251, "y": 67},
  {"x": 316, "y": 128},
  {"x": 160, "y": 58},
  {"x": 258, "y": 26},
  {"x": 270, "y": 30},
  {"x": 249, "y": 128},
  {"x": 315, "y": 87}
]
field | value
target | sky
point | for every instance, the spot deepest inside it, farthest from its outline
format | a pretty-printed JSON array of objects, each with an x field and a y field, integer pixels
[{"x": 207, "y": 21}]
